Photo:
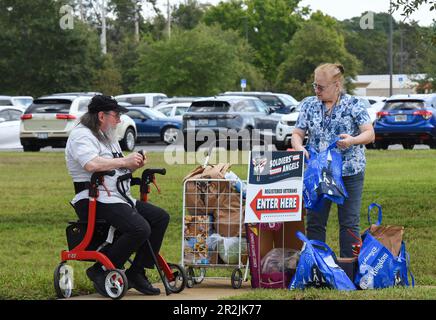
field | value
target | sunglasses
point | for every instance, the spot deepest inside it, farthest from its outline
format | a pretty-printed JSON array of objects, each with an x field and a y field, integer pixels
[
  {"x": 117, "y": 116},
  {"x": 321, "y": 88}
]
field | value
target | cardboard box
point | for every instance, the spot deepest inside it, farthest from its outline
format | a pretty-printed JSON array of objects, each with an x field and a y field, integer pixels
[
  {"x": 349, "y": 265},
  {"x": 261, "y": 241}
]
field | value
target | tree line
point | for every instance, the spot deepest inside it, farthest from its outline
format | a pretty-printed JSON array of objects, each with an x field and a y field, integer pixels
[{"x": 201, "y": 50}]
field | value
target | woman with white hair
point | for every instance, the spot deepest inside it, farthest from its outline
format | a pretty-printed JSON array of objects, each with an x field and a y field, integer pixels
[{"x": 325, "y": 117}]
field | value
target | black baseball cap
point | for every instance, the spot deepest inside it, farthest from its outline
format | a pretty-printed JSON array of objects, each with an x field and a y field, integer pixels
[{"x": 105, "y": 103}]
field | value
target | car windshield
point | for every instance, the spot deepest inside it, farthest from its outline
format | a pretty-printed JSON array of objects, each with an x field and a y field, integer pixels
[
  {"x": 154, "y": 113},
  {"x": 209, "y": 106},
  {"x": 403, "y": 105},
  {"x": 288, "y": 100},
  {"x": 50, "y": 106},
  {"x": 23, "y": 102}
]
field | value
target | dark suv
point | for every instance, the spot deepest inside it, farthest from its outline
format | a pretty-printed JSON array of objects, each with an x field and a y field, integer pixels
[
  {"x": 279, "y": 102},
  {"x": 226, "y": 118}
]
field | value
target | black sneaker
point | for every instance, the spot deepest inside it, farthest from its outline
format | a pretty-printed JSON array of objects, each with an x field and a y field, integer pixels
[
  {"x": 98, "y": 276},
  {"x": 140, "y": 282}
]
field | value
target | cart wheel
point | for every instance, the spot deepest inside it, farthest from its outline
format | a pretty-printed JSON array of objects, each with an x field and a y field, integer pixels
[
  {"x": 116, "y": 284},
  {"x": 63, "y": 280},
  {"x": 190, "y": 278},
  {"x": 199, "y": 279},
  {"x": 236, "y": 278},
  {"x": 180, "y": 278}
]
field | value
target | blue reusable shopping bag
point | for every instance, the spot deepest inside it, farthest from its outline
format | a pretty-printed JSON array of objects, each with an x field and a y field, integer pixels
[
  {"x": 323, "y": 178},
  {"x": 378, "y": 267},
  {"x": 317, "y": 268}
]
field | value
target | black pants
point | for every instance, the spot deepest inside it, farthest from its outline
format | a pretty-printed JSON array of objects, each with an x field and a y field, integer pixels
[{"x": 135, "y": 225}]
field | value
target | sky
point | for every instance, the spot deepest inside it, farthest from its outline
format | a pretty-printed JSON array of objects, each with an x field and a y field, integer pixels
[{"x": 342, "y": 9}]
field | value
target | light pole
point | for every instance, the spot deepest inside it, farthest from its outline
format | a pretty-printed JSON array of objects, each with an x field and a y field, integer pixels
[{"x": 390, "y": 49}]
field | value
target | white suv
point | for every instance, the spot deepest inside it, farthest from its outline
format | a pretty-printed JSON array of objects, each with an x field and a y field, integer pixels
[
  {"x": 284, "y": 129},
  {"x": 21, "y": 102},
  {"x": 49, "y": 120},
  {"x": 142, "y": 99}
]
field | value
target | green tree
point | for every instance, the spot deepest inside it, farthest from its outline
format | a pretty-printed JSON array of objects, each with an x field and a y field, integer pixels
[
  {"x": 107, "y": 78},
  {"x": 37, "y": 56},
  {"x": 188, "y": 15},
  {"x": 326, "y": 45},
  {"x": 202, "y": 61},
  {"x": 266, "y": 24},
  {"x": 409, "y": 6}
]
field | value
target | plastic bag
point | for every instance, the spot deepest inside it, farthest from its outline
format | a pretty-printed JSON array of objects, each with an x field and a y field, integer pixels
[
  {"x": 317, "y": 268},
  {"x": 227, "y": 247},
  {"x": 323, "y": 178},
  {"x": 379, "y": 267},
  {"x": 280, "y": 260}
]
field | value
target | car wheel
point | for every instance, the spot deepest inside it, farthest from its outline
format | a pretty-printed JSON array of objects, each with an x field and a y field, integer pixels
[
  {"x": 128, "y": 142},
  {"x": 31, "y": 148},
  {"x": 381, "y": 145},
  {"x": 370, "y": 146},
  {"x": 408, "y": 145},
  {"x": 280, "y": 145},
  {"x": 170, "y": 135}
]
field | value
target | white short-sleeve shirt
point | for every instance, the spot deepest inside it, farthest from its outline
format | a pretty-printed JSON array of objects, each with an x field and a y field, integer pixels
[{"x": 82, "y": 147}]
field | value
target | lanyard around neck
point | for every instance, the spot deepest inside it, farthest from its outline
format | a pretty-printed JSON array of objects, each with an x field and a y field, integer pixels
[{"x": 325, "y": 123}]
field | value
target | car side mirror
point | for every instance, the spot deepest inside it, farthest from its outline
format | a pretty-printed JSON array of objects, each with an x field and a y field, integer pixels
[
  {"x": 2, "y": 120},
  {"x": 143, "y": 119}
]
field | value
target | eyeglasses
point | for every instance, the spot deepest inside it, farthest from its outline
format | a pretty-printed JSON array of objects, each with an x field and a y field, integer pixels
[
  {"x": 321, "y": 88},
  {"x": 117, "y": 116}
]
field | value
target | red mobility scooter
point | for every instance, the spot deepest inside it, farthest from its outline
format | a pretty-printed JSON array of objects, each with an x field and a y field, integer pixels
[{"x": 88, "y": 239}]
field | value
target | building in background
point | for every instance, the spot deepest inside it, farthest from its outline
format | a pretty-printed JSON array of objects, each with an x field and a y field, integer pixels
[{"x": 378, "y": 85}]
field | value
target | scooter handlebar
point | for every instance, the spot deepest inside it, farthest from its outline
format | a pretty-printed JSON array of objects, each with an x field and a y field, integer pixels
[
  {"x": 97, "y": 175},
  {"x": 151, "y": 171}
]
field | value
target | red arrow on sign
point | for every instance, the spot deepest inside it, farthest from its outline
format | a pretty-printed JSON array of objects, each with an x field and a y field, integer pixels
[{"x": 274, "y": 204}]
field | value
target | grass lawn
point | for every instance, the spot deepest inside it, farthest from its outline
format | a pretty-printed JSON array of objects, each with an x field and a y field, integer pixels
[{"x": 35, "y": 190}]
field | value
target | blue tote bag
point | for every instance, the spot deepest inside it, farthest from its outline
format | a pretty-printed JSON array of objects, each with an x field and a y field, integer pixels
[
  {"x": 317, "y": 268},
  {"x": 378, "y": 266},
  {"x": 323, "y": 178}
]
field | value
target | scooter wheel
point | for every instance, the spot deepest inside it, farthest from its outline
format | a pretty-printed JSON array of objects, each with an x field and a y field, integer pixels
[
  {"x": 180, "y": 278},
  {"x": 63, "y": 280},
  {"x": 236, "y": 278},
  {"x": 116, "y": 284}
]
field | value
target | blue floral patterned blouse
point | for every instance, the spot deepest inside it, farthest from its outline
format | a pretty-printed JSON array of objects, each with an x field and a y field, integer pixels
[{"x": 323, "y": 129}]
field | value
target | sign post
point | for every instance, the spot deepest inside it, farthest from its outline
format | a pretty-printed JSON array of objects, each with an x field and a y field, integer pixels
[
  {"x": 275, "y": 187},
  {"x": 243, "y": 84}
]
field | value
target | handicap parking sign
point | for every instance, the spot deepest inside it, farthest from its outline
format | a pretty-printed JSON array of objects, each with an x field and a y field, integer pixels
[{"x": 243, "y": 83}]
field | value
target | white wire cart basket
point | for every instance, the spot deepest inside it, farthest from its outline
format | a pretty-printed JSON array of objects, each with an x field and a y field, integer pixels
[{"x": 213, "y": 234}]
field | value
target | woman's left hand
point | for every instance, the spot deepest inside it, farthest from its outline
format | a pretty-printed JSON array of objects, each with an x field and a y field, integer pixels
[{"x": 346, "y": 141}]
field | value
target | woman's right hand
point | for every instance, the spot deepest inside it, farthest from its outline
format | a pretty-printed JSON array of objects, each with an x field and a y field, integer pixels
[{"x": 305, "y": 153}]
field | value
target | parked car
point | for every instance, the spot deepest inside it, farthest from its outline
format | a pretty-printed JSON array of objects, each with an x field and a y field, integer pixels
[
  {"x": 21, "y": 102},
  {"x": 284, "y": 129},
  {"x": 153, "y": 125},
  {"x": 148, "y": 99},
  {"x": 10, "y": 127},
  {"x": 372, "y": 105},
  {"x": 228, "y": 112},
  {"x": 49, "y": 120},
  {"x": 174, "y": 110},
  {"x": 172, "y": 100},
  {"x": 279, "y": 102},
  {"x": 407, "y": 120}
]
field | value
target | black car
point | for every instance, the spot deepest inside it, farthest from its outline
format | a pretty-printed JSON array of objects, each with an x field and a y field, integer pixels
[{"x": 228, "y": 118}]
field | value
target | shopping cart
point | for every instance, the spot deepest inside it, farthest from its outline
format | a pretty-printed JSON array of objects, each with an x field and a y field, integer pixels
[{"x": 213, "y": 234}]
